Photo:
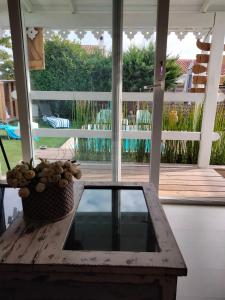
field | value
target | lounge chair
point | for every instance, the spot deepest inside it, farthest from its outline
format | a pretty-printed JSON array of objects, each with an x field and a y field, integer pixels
[
  {"x": 12, "y": 131},
  {"x": 52, "y": 119}
]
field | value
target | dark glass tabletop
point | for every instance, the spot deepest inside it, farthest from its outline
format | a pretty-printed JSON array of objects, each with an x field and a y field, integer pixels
[{"x": 112, "y": 219}]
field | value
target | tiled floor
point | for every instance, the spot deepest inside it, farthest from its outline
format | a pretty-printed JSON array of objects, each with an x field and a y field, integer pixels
[{"x": 200, "y": 233}]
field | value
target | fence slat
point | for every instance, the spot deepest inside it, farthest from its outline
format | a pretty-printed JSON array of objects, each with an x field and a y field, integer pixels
[
  {"x": 107, "y": 96},
  {"x": 84, "y": 133}
]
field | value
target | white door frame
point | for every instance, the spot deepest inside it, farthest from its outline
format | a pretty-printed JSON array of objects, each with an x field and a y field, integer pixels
[
  {"x": 21, "y": 72},
  {"x": 159, "y": 83},
  {"x": 212, "y": 90},
  {"x": 117, "y": 79},
  {"x": 21, "y": 75}
]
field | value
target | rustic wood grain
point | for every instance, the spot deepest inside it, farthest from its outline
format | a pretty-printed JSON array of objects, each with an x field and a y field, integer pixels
[
  {"x": 10, "y": 237},
  {"x": 198, "y": 69},
  {"x": 199, "y": 79},
  {"x": 202, "y": 58},
  {"x": 197, "y": 90},
  {"x": 36, "y": 51},
  {"x": 44, "y": 245},
  {"x": 34, "y": 264}
]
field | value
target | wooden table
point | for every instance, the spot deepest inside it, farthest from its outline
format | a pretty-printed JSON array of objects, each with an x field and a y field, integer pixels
[{"x": 33, "y": 264}]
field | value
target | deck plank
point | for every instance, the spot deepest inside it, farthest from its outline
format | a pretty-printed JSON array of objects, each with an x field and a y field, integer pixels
[
  {"x": 175, "y": 181},
  {"x": 192, "y": 194}
]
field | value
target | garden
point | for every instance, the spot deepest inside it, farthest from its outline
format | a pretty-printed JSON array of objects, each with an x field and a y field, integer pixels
[{"x": 70, "y": 67}]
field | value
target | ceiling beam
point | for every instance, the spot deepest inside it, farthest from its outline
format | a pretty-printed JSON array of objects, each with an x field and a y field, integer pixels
[
  {"x": 72, "y": 5},
  {"x": 28, "y": 5},
  {"x": 205, "y": 6}
]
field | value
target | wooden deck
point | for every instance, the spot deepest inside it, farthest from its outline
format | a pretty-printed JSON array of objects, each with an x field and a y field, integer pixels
[{"x": 176, "y": 182}]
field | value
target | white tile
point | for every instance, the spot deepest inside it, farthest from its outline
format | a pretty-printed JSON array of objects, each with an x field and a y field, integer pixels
[{"x": 200, "y": 233}]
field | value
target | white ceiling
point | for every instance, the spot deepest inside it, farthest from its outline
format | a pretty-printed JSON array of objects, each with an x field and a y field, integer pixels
[
  {"x": 93, "y": 14},
  {"x": 84, "y": 6}
]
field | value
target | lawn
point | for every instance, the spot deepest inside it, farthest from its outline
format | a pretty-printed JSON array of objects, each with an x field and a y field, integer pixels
[
  {"x": 14, "y": 151},
  {"x": 50, "y": 142}
]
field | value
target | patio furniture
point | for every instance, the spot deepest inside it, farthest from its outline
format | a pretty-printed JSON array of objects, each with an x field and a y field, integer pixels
[
  {"x": 104, "y": 116},
  {"x": 143, "y": 119},
  {"x": 56, "y": 122},
  {"x": 52, "y": 119},
  {"x": 9, "y": 131},
  {"x": 12, "y": 131},
  {"x": 117, "y": 244}
]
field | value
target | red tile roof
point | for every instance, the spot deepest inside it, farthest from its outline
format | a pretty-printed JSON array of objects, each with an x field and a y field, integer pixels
[{"x": 185, "y": 64}]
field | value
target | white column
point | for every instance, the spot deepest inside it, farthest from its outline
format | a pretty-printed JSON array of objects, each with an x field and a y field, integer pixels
[
  {"x": 21, "y": 77},
  {"x": 117, "y": 44},
  {"x": 210, "y": 104},
  {"x": 159, "y": 81}
]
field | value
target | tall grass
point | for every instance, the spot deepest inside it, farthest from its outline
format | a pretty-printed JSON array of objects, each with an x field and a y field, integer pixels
[
  {"x": 189, "y": 119},
  {"x": 218, "y": 147}
]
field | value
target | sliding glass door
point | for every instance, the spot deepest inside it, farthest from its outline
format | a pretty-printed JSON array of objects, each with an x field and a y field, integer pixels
[{"x": 73, "y": 59}]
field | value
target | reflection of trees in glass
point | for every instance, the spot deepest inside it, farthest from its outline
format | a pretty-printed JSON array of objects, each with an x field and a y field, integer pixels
[{"x": 6, "y": 62}]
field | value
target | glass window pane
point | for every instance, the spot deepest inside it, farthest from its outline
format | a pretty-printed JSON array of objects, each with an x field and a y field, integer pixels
[
  {"x": 9, "y": 117},
  {"x": 67, "y": 81},
  {"x": 138, "y": 78},
  {"x": 112, "y": 219}
]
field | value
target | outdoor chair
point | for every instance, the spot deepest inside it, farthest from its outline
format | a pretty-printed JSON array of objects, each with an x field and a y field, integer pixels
[
  {"x": 143, "y": 119},
  {"x": 143, "y": 122},
  {"x": 11, "y": 131},
  {"x": 52, "y": 119},
  {"x": 104, "y": 117},
  {"x": 104, "y": 122}
]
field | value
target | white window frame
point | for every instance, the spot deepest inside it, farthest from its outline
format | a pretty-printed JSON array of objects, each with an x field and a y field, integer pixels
[{"x": 22, "y": 83}]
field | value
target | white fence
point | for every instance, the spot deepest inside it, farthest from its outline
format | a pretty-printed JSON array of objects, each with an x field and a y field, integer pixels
[
  {"x": 127, "y": 96},
  {"x": 106, "y": 96}
]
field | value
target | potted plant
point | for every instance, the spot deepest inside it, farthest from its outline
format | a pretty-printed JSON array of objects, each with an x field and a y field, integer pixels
[{"x": 46, "y": 189}]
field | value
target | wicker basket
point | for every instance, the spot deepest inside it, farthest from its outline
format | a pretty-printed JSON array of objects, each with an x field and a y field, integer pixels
[{"x": 49, "y": 206}]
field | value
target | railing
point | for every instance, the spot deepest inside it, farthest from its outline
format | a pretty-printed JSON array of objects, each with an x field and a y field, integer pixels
[
  {"x": 133, "y": 97},
  {"x": 127, "y": 96}
]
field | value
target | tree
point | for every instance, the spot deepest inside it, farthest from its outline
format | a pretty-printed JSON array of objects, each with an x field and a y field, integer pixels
[
  {"x": 173, "y": 72},
  {"x": 70, "y": 67},
  {"x": 6, "y": 61},
  {"x": 138, "y": 69},
  {"x": 65, "y": 67}
]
